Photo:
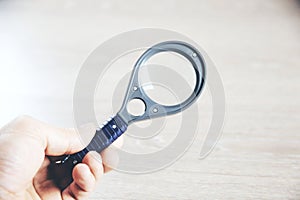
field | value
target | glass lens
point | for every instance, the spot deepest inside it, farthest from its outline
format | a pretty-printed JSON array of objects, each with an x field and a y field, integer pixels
[{"x": 167, "y": 78}]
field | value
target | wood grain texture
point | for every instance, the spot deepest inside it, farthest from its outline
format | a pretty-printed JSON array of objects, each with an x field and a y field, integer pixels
[{"x": 255, "y": 46}]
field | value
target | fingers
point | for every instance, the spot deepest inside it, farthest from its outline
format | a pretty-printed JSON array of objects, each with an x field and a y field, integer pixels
[
  {"x": 85, "y": 175},
  {"x": 84, "y": 182},
  {"x": 94, "y": 161},
  {"x": 83, "y": 178},
  {"x": 59, "y": 141},
  {"x": 55, "y": 141}
]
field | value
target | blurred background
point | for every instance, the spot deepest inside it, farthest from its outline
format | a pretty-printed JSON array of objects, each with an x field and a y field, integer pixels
[{"x": 254, "y": 44}]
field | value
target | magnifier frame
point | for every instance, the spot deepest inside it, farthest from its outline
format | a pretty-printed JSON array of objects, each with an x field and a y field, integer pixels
[
  {"x": 61, "y": 167},
  {"x": 152, "y": 108}
]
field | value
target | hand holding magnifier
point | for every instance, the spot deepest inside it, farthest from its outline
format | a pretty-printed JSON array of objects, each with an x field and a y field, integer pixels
[{"x": 62, "y": 168}]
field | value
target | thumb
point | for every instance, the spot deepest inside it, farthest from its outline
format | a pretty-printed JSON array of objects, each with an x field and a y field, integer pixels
[{"x": 55, "y": 141}]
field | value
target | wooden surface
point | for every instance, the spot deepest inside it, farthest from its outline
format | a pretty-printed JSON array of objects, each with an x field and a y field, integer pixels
[{"x": 255, "y": 46}]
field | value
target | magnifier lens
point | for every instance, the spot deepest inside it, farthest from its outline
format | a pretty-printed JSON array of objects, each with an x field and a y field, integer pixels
[{"x": 168, "y": 78}]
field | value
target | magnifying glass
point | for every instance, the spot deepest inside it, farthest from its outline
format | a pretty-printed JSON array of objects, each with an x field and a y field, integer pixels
[{"x": 61, "y": 167}]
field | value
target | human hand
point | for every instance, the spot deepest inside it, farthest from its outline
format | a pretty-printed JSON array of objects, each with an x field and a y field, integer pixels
[{"x": 25, "y": 144}]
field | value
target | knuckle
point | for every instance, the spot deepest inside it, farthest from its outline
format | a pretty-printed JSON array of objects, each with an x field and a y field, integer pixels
[{"x": 23, "y": 121}]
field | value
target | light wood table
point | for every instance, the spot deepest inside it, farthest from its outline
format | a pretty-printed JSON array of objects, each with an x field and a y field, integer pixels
[{"x": 254, "y": 44}]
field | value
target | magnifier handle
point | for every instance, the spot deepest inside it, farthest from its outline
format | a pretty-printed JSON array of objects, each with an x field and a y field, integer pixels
[{"x": 61, "y": 167}]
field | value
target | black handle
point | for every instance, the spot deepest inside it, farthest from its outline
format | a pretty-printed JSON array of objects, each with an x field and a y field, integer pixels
[{"x": 60, "y": 169}]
